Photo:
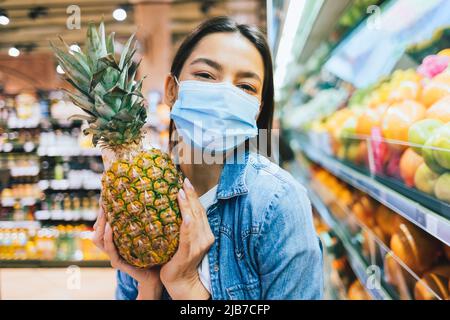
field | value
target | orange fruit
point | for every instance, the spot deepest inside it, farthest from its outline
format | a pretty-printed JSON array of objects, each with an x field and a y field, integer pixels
[
  {"x": 406, "y": 90},
  {"x": 414, "y": 247},
  {"x": 387, "y": 220},
  {"x": 399, "y": 117},
  {"x": 436, "y": 280},
  {"x": 369, "y": 119},
  {"x": 362, "y": 214},
  {"x": 436, "y": 89},
  {"x": 356, "y": 291},
  {"x": 440, "y": 110},
  {"x": 409, "y": 162}
]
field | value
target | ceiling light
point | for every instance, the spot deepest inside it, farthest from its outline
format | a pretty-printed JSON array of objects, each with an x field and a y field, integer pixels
[
  {"x": 13, "y": 52},
  {"x": 75, "y": 47},
  {"x": 59, "y": 69},
  {"x": 119, "y": 14},
  {"x": 4, "y": 19}
]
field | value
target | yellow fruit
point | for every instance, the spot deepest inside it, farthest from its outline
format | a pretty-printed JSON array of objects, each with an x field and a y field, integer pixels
[
  {"x": 143, "y": 210},
  {"x": 414, "y": 247},
  {"x": 357, "y": 292},
  {"x": 440, "y": 110},
  {"x": 139, "y": 187},
  {"x": 436, "y": 89},
  {"x": 399, "y": 117},
  {"x": 434, "y": 284}
]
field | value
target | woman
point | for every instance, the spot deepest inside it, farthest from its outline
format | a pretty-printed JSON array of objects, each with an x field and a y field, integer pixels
[{"x": 250, "y": 235}]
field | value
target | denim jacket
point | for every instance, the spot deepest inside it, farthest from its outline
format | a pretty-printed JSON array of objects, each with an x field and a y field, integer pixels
[{"x": 265, "y": 244}]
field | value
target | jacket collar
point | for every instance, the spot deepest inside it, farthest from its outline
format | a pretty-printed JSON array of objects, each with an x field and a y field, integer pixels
[{"x": 232, "y": 179}]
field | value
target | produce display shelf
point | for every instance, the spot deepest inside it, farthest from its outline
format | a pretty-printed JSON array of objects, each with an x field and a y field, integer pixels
[
  {"x": 424, "y": 199},
  {"x": 357, "y": 262},
  {"x": 423, "y": 217},
  {"x": 54, "y": 264},
  {"x": 437, "y": 206}
]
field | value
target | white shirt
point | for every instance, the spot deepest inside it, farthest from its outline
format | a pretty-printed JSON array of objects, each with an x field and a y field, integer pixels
[{"x": 203, "y": 269}]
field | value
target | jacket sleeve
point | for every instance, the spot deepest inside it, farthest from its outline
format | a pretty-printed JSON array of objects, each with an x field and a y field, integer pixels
[
  {"x": 288, "y": 250},
  {"x": 126, "y": 287}
]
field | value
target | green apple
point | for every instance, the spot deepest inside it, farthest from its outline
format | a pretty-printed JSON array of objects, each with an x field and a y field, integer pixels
[
  {"x": 421, "y": 131},
  {"x": 425, "y": 179},
  {"x": 429, "y": 155},
  {"x": 442, "y": 187},
  {"x": 441, "y": 139}
]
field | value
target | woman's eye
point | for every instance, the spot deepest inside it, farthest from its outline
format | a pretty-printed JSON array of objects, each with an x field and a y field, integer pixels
[
  {"x": 247, "y": 88},
  {"x": 204, "y": 75}
]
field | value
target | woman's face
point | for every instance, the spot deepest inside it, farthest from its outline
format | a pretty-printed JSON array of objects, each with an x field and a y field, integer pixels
[{"x": 222, "y": 57}]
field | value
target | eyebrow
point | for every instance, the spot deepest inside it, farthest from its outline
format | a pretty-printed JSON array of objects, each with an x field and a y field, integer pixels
[
  {"x": 249, "y": 74},
  {"x": 209, "y": 62}
]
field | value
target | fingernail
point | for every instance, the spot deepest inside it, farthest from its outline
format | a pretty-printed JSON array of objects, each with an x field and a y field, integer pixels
[
  {"x": 182, "y": 194},
  {"x": 187, "y": 220},
  {"x": 188, "y": 183}
]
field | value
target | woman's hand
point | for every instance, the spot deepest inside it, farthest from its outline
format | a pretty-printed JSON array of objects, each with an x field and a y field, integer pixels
[
  {"x": 180, "y": 275},
  {"x": 149, "y": 283}
]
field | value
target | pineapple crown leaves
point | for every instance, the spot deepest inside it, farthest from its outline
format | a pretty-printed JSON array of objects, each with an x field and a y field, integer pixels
[{"x": 105, "y": 88}]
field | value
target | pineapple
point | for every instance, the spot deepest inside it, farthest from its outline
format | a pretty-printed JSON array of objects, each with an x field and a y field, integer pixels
[{"x": 139, "y": 187}]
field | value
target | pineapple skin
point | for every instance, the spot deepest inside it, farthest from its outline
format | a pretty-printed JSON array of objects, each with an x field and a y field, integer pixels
[{"x": 139, "y": 197}]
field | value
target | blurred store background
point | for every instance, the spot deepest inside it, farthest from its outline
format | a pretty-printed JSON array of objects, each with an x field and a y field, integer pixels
[{"x": 363, "y": 100}]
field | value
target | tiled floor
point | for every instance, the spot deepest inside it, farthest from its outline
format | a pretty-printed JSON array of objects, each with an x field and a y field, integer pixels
[{"x": 57, "y": 283}]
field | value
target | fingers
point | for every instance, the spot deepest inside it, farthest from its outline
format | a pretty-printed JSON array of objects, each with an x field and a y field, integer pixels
[
  {"x": 110, "y": 248},
  {"x": 99, "y": 229},
  {"x": 185, "y": 208},
  {"x": 111, "y": 251},
  {"x": 101, "y": 219},
  {"x": 192, "y": 197}
]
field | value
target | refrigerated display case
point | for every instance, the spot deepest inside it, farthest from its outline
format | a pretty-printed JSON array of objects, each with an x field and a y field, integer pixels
[{"x": 375, "y": 161}]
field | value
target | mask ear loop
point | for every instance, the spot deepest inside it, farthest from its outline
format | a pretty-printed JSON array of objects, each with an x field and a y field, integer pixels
[{"x": 176, "y": 80}]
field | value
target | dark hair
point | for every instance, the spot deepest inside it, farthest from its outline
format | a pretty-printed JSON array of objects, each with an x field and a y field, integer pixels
[{"x": 257, "y": 38}]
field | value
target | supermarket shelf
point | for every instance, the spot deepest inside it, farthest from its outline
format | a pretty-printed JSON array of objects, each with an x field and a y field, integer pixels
[
  {"x": 45, "y": 125},
  {"x": 66, "y": 185},
  {"x": 53, "y": 264},
  {"x": 25, "y": 201},
  {"x": 70, "y": 153},
  {"x": 20, "y": 224},
  {"x": 357, "y": 262},
  {"x": 426, "y": 219},
  {"x": 17, "y": 149},
  {"x": 66, "y": 215}
]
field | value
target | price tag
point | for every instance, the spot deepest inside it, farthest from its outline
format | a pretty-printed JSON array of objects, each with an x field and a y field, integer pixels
[
  {"x": 382, "y": 197},
  {"x": 431, "y": 224}
]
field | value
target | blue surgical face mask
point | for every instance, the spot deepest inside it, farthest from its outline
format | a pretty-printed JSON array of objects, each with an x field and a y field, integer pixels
[{"x": 214, "y": 116}]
